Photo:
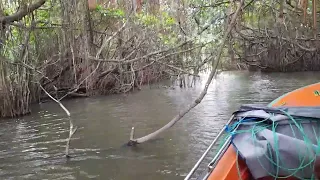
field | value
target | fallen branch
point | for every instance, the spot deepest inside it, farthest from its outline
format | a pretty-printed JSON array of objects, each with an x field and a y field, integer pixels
[
  {"x": 72, "y": 130},
  {"x": 202, "y": 94}
]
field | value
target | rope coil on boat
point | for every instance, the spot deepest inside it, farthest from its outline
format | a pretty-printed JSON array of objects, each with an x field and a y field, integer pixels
[{"x": 275, "y": 154}]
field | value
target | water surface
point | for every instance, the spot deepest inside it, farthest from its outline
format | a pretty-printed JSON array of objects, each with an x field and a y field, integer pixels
[{"x": 32, "y": 147}]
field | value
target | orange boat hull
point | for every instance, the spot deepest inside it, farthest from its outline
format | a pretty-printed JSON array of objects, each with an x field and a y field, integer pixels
[{"x": 230, "y": 167}]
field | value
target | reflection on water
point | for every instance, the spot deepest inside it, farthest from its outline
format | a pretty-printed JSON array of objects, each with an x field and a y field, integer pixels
[{"x": 32, "y": 147}]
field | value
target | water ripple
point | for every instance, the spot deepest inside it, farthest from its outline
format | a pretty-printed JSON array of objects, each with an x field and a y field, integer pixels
[{"x": 33, "y": 147}]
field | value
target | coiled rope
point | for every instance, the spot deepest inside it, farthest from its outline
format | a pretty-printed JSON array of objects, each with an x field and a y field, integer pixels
[{"x": 258, "y": 125}]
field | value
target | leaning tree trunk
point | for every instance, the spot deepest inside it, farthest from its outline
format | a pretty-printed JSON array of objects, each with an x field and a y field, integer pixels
[{"x": 215, "y": 64}]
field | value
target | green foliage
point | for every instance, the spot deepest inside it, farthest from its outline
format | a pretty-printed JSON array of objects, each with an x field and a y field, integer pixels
[
  {"x": 9, "y": 8},
  {"x": 165, "y": 24},
  {"x": 168, "y": 20},
  {"x": 148, "y": 20},
  {"x": 110, "y": 12},
  {"x": 43, "y": 15},
  {"x": 168, "y": 39},
  {"x": 165, "y": 21}
]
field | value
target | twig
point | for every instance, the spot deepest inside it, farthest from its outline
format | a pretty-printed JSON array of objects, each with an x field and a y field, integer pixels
[
  {"x": 176, "y": 68},
  {"x": 179, "y": 52}
]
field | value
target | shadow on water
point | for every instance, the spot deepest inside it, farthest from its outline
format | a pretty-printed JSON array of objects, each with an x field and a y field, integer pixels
[
  {"x": 151, "y": 141},
  {"x": 32, "y": 147}
]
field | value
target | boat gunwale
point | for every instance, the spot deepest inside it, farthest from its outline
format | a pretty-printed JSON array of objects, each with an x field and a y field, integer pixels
[
  {"x": 295, "y": 90},
  {"x": 226, "y": 146}
]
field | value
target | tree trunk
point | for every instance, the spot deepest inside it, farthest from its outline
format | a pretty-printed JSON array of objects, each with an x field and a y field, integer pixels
[
  {"x": 154, "y": 6},
  {"x": 314, "y": 17},
  {"x": 92, "y": 4}
]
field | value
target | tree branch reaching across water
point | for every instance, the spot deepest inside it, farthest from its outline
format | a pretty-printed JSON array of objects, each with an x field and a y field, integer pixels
[{"x": 202, "y": 94}]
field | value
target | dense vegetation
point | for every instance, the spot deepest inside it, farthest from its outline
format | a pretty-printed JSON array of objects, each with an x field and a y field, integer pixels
[{"x": 85, "y": 47}]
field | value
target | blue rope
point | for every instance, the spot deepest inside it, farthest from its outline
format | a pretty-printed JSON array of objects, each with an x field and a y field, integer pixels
[{"x": 259, "y": 125}]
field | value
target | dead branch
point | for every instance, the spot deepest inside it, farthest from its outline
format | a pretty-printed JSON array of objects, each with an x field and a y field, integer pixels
[
  {"x": 134, "y": 50},
  {"x": 72, "y": 130},
  {"x": 165, "y": 56},
  {"x": 138, "y": 58},
  {"x": 202, "y": 94},
  {"x": 132, "y": 134}
]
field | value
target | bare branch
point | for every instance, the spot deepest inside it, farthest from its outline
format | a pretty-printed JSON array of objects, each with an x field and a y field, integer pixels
[
  {"x": 72, "y": 129},
  {"x": 139, "y": 58},
  {"x": 55, "y": 100}
]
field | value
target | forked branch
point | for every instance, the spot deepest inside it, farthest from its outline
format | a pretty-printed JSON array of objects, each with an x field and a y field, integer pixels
[{"x": 72, "y": 129}]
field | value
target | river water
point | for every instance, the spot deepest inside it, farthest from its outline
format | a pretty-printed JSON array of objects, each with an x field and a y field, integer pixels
[{"x": 32, "y": 147}]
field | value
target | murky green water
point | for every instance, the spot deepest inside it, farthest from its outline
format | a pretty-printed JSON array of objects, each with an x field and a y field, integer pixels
[{"x": 32, "y": 147}]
